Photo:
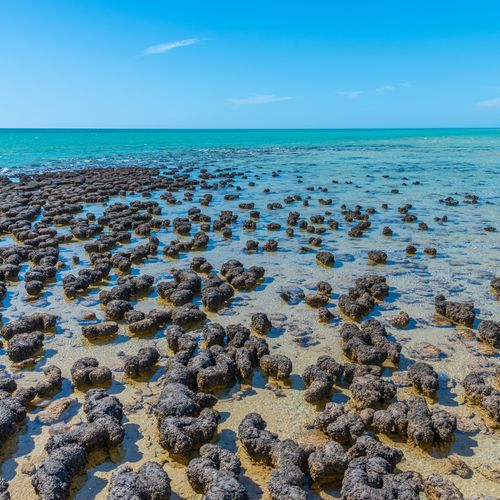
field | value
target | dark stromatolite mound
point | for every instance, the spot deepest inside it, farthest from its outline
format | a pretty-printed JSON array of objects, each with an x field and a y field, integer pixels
[
  {"x": 87, "y": 371},
  {"x": 437, "y": 487},
  {"x": 288, "y": 458},
  {"x": 116, "y": 309},
  {"x": 177, "y": 371},
  {"x": 237, "y": 335},
  {"x": 352, "y": 370},
  {"x": 261, "y": 323},
  {"x": 52, "y": 380},
  {"x": 325, "y": 315},
  {"x": 326, "y": 258},
  {"x": 413, "y": 420},
  {"x": 394, "y": 419},
  {"x": 146, "y": 359},
  {"x": 352, "y": 308},
  {"x": 366, "y": 446},
  {"x": 186, "y": 315},
  {"x": 177, "y": 400},
  {"x": 477, "y": 391},
  {"x": 340, "y": 423},
  {"x": 139, "y": 322},
  {"x": 369, "y": 345},
  {"x": 360, "y": 300},
  {"x": 151, "y": 482},
  {"x": 370, "y": 391},
  {"x": 459, "y": 313},
  {"x": 104, "y": 428},
  {"x": 100, "y": 330},
  {"x": 216, "y": 474},
  {"x": 424, "y": 378},
  {"x": 13, "y": 410},
  {"x": 276, "y": 365},
  {"x": 36, "y": 276},
  {"x": 318, "y": 383},
  {"x": 127, "y": 288},
  {"x": 401, "y": 320},
  {"x": 377, "y": 256},
  {"x": 215, "y": 292},
  {"x": 37, "y": 321},
  {"x": 370, "y": 478},
  {"x": 495, "y": 284},
  {"x": 53, "y": 477},
  {"x": 23, "y": 345},
  {"x": 489, "y": 331},
  {"x": 317, "y": 300},
  {"x": 179, "y": 340},
  {"x": 252, "y": 246},
  {"x": 68, "y": 451},
  {"x": 180, "y": 435},
  {"x": 75, "y": 285},
  {"x": 200, "y": 264},
  {"x": 219, "y": 374},
  {"x": 235, "y": 274},
  {"x": 177, "y": 294},
  {"x": 270, "y": 246},
  {"x": 328, "y": 463},
  {"x": 8, "y": 384},
  {"x": 214, "y": 334},
  {"x": 248, "y": 354},
  {"x": 319, "y": 378},
  {"x": 4, "y": 486}
]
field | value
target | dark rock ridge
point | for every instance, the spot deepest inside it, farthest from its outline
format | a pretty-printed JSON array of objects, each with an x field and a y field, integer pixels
[
  {"x": 415, "y": 421},
  {"x": 319, "y": 378},
  {"x": 87, "y": 371},
  {"x": 479, "y": 392},
  {"x": 369, "y": 345},
  {"x": 459, "y": 313},
  {"x": 151, "y": 482},
  {"x": 67, "y": 453},
  {"x": 361, "y": 298},
  {"x": 216, "y": 474}
]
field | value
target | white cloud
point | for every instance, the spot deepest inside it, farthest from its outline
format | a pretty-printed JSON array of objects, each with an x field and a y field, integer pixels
[
  {"x": 492, "y": 103},
  {"x": 385, "y": 88},
  {"x": 352, "y": 94},
  {"x": 160, "y": 49},
  {"x": 258, "y": 99},
  {"x": 406, "y": 84}
]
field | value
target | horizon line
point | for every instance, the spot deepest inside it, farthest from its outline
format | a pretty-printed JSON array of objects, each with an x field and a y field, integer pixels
[{"x": 3, "y": 129}]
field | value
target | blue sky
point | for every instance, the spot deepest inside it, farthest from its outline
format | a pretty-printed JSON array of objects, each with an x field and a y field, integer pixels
[{"x": 273, "y": 64}]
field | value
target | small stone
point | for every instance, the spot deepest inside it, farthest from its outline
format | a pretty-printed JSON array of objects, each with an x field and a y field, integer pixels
[
  {"x": 54, "y": 411},
  {"x": 458, "y": 466},
  {"x": 401, "y": 320},
  {"x": 466, "y": 425},
  {"x": 28, "y": 468},
  {"x": 492, "y": 475},
  {"x": 88, "y": 316}
]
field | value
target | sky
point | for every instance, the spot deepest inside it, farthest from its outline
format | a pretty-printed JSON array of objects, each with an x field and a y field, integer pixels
[{"x": 273, "y": 64}]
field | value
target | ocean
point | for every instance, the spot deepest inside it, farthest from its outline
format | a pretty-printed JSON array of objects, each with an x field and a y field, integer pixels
[{"x": 428, "y": 169}]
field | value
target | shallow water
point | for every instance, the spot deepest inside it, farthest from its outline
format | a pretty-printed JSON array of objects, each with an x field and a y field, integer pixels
[{"x": 446, "y": 164}]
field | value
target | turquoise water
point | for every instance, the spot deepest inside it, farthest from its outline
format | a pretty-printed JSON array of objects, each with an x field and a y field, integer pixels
[
  {"x": 444, "y": 163},
  {"x": 24, "y": 148}
]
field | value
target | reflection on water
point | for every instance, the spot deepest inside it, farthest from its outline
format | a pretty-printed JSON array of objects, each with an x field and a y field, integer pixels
[{"x": 467, "y": 259}]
